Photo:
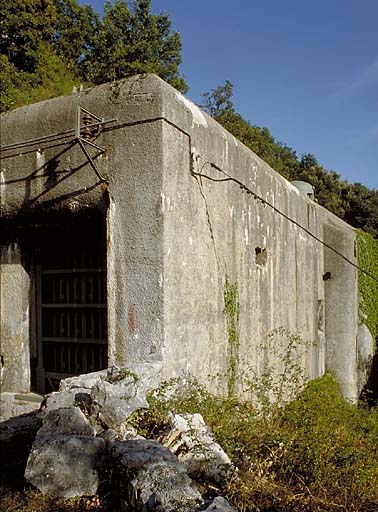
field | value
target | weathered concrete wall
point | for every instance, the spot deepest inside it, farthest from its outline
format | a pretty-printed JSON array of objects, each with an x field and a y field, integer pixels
[
  {"x": 135, "y": 251},
  {"x": 14, "y": 326},
  {"x": 180, "y": 227},
  {"x": 341, "y": 308},
  {"x": 52, "y": 174},
  {"x": 220, "y": 230}
]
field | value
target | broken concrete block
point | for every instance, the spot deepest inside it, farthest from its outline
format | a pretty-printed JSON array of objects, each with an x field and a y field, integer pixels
[
  {"x": 122, "y": 392},
  {"x": 15, "y": 404},
  {"x": 66, "y": 458},
  {"x": 66, "y": 466},
  {"x": 68, "y": 398},
  {"x": 116, "y": 401},
  {"x": 192, "y": 441},
  {"x": 85, "y": 381},
  {"x": 110, "y": 395},
  {"x": 65, "y": 422}
]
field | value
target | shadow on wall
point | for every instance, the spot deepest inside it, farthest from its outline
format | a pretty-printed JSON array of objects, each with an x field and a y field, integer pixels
[{"x": 52, "y": 175}]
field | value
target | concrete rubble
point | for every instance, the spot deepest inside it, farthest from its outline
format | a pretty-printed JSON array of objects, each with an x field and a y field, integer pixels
[
  {"x": 80, "y": 442},
  {"x": 66, "y": 456},
  {"x": 148, "y": 476},
  {"x": 195, "y": 447}
]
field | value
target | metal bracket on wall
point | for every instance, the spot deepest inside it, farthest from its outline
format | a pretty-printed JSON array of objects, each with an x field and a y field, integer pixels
[{"x": 87, "y": 127}]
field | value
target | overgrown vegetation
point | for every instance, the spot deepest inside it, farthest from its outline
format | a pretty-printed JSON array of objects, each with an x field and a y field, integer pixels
[
  {"x": 34, "y": 501},
  {"x": 296, "y": 446},
  {"x": 231, "y": 308},
  {"x": 316, "y": 453},
  {"x": 282, "y": 376},
  {"x": 49, "y": 46},
  {"x": 367, "y": 253}
]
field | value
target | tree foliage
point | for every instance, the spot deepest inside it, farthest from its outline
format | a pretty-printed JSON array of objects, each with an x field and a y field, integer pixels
[
  {"x": 367, "y": 252},
  {"x": 132, "y": 41},
  {"x": 354, "y": 203},
  {"x": 218, "y": 101},
  {"x": 46, "y": 46},
  {"x": 50, "y": 78}
]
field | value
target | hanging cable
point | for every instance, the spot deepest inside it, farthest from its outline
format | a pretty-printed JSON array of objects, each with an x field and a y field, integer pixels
[{"x": 293, "y": 221}]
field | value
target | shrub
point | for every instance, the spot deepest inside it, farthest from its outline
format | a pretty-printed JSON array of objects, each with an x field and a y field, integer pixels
[{"x": 316, "y": 453}]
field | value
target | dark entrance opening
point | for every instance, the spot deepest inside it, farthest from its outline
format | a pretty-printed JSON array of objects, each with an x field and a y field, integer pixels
[{"x": 70, "y": 301}]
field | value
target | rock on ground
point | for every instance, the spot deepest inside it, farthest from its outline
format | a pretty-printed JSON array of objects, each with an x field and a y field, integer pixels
[
  {"x": 74, "y": 452},
  {"x": 110, "y": 395},
  {"x": 84, "y": 381},
  {"x": 68, "y": 398},
  {"x": 65, "y": 422},
  {"x": 16, "y": 438},
  {"x": 148, "y": 477},
  {"x": 219, "y": 504},
  {"x": 116, "y": 401},
  {"x": 66, "y": 458},
  {"x": 192, "y": 441}
]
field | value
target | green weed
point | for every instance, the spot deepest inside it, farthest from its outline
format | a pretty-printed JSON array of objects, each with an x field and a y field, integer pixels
[{"x": 317, "y": 452}]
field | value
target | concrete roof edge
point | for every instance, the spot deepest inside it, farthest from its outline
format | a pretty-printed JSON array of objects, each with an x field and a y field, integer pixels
[
  {"x": 139, "y": 98},
  {"x": 129, "y": 99},
  {"x": 333, "y": 220},
  {"x": 192, "y": 119}
]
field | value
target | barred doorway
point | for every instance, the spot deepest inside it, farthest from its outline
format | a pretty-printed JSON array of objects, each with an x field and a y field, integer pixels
[{"x": 71, "y": 303}]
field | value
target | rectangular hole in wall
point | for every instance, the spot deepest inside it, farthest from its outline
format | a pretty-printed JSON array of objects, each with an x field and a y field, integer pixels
[{"x": 260, "y": 256}]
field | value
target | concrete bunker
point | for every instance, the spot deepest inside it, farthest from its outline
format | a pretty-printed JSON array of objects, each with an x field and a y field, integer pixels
[{"x": 166, "y": 209}]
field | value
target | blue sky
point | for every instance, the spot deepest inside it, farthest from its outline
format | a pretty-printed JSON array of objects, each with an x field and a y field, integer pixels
[{"x": 306, "y": 69}]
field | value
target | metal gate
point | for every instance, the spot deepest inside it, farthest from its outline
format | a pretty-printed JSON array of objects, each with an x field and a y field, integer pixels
[{"x": 72, "y": 311}]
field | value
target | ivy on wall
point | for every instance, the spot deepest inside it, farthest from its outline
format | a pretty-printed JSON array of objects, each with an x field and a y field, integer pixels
[
  {"x": 231, "y": 308},
  {"x": 367, "y": 254}
]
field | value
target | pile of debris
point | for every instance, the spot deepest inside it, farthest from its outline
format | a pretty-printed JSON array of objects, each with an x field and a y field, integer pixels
[{"x": 79, "y": 442}]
